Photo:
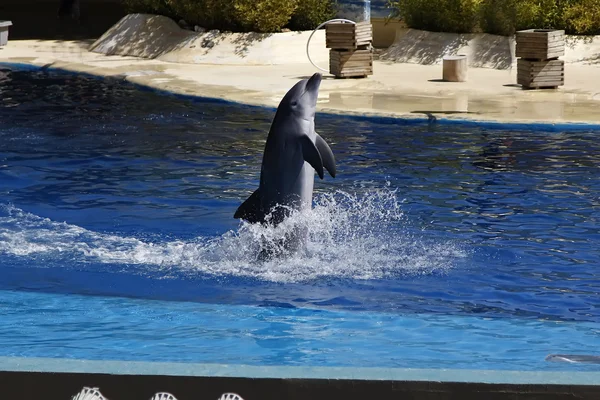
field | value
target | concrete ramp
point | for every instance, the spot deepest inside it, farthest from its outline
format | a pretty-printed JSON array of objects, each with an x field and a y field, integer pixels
[
  {"x": 423, "y": 47},
  {"x": 159, "y": 37},
  {"x": 142, "y": 35},
  {"x": 483, "y": 50}
]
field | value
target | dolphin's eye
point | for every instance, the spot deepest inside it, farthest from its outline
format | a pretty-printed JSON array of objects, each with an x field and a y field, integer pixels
[{"x": 294, "y": 103}]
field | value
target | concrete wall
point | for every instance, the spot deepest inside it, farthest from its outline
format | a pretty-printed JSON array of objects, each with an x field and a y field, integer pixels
[{"x": 385, "y": 32}]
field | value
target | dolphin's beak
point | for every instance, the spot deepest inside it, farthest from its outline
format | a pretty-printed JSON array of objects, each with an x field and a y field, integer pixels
[{"x": 313, "y": 83}]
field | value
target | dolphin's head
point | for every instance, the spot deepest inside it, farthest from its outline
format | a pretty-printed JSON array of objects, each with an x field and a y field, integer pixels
[{"x": 301, "y": 100}]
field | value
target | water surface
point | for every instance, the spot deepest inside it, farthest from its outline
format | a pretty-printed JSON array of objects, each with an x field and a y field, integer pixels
[{"x": 436, "y": 246}]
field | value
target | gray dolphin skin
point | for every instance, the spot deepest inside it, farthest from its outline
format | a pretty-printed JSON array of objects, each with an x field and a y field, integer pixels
[
  {"x": 574, "y": 358},
  {"x": 293, "y": 152}
]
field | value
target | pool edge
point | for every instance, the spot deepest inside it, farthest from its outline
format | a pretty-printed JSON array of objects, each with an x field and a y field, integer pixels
[
  {"x": 510, "y": 377},
  {"x": 22, "y": 379},
  {"x": 398, "y": 118}
]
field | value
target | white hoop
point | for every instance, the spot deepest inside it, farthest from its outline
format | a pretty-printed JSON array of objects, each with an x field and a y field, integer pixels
[
  {"x": 163, "y": 396},
  {"x": 316, "y": 29},
  {"x": 230, "y": 396},
  {"x": 89, "y": 393}
]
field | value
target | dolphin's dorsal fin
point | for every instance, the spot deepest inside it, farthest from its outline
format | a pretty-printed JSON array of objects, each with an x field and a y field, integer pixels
[
  {"x": 250, "y": 209},
  {"x": 311, "y": 155},
  {"x": 326, "y": 155}
]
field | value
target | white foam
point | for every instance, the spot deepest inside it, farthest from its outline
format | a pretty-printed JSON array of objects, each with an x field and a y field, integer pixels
[{"x": 349, "y": 236}]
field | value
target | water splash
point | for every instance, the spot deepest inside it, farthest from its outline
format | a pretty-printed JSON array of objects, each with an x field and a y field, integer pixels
[{"x": 355, "y": 236}]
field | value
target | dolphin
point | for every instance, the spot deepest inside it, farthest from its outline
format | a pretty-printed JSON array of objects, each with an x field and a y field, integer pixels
[
  {"x": 293, "y": 152},
  {"x": 574, "y": 358}
]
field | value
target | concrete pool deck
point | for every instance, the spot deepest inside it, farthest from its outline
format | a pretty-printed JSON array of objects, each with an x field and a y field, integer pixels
[{"x": 395, "y": 89}]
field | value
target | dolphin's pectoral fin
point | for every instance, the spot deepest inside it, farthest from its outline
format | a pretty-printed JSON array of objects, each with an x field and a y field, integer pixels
[
  {"x": 311, "y": 155},
  {"x": 250, "y": 209},
  {"x": 326, "y": 155}
]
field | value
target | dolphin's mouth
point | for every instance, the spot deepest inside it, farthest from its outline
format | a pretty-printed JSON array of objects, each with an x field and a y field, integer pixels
[
  {"x": 314, "y": 82},
  {"x": 312, "y": 87}
]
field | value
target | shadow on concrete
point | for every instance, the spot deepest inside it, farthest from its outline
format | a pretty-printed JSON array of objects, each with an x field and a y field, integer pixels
[
  {"x": 326, "y": 77},
  {"x": 246, "y": 40},
  {"x": 82, "y": 44},
  {"x": 160, "y": 37},
  {"x": 422, "y": 47},
  {"x": 573, "y": 41},
  {"x": 442, "y": 112},
  {"x": 153, "y": 36},
  {"x": 593, "y": 60},
  {"x": 491, "y": 51},
  {"x": 209, "y": 40},
  {"x": 587, "y": 47},
  {"x": 430, "y": 114}
]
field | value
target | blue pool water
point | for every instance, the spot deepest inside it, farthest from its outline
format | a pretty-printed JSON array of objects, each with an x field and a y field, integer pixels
[{"x": 437, "y": 246}]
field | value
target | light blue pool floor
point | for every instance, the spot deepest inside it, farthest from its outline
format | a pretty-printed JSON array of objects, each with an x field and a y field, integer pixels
[{"x": 116, "y": 328}]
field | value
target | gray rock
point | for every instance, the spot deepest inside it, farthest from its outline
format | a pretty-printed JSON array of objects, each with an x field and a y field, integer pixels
[
  {"x": 199, "y": 29},
  {"x": 208, "y": 44},
  {"x": 183, "y": 24}
]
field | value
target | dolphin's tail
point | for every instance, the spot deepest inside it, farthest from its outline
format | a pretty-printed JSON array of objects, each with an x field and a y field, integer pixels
[{"x": 252, "y": 211}]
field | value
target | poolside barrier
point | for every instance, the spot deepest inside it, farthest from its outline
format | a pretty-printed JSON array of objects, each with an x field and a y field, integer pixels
[
  {"x": 454, "y": 68},
  {"x": 4, "y": 32},
  {"x": 351, "y": 54},
  {"x": 313, "y": 32},
  {"x": 538, "y": 65}
]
